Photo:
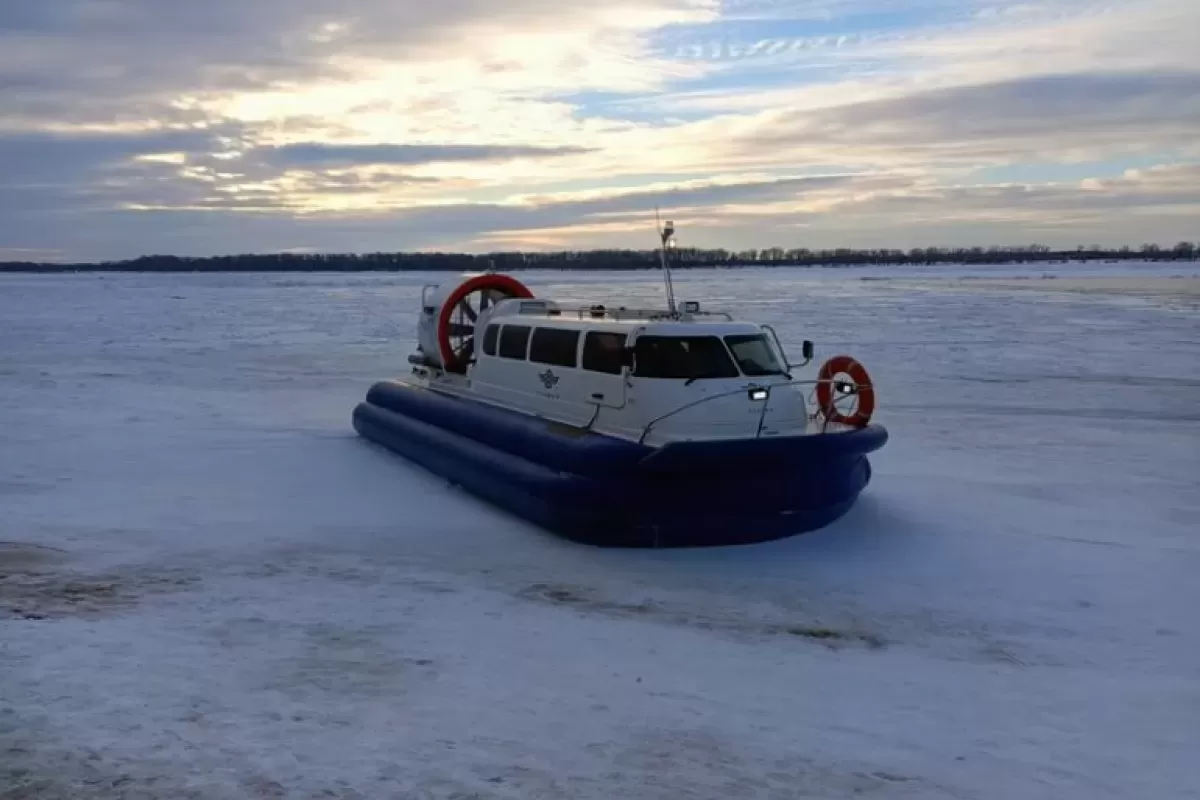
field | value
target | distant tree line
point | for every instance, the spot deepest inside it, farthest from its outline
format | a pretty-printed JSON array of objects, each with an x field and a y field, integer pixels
[{"x": 683, "y": 258}]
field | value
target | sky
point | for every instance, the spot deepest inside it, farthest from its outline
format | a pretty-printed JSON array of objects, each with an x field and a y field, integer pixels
[{"x": 131, "y": 127}]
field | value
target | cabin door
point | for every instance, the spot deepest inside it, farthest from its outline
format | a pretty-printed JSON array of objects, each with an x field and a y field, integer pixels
[
  {"x": 604, "y": 390},
  {"x": 602, "y": 373}
]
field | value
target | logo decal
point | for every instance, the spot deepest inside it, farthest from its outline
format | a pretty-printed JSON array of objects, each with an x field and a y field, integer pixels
[{"x": 549, "y": 379}]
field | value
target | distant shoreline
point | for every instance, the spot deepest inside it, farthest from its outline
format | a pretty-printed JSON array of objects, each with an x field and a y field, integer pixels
[{"x": 608, "y": 260}]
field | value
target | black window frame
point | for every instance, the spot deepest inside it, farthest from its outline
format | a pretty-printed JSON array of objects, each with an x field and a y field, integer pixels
[
  {"x": 503, "y": 350},
  {"x": 491, "y": 336},
  {"x": 588, "y": 360},
  {"x": 544, "y": 350},
  {"x": 745, "y": 338}
]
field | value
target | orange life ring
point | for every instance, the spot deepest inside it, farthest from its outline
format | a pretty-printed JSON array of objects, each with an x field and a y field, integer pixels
[
  {"x": 509, "y": 287},
  {"x": 862, "y": 381}
]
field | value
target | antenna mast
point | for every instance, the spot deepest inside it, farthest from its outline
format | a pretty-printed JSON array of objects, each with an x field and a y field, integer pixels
[{"x": 667, "y": 234}]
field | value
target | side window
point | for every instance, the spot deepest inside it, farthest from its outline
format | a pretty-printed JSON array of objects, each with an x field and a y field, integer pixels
[
  {"x": 602, "y": 352},
  {"x": 489, "y": 339},
  {"x": 513, "y": 339},
  {"x": 554, "y": 346}
]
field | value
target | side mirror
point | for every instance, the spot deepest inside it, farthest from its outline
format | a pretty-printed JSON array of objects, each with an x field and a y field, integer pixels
[{"x": 626, "y": 356}]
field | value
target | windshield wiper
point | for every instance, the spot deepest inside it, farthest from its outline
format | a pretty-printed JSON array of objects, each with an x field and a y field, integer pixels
[
  {"x": 712, "y": 373},
  {"x": 762, "y": 372}
]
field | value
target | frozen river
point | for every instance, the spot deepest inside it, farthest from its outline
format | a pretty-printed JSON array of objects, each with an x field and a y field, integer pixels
[{"x": 211, "y": 589}]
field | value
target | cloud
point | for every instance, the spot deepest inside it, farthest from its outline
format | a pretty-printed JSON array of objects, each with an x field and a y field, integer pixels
[
  {"x": 569, "y": 208},
  {"x": 319, "y": 154},
  {"x": 963, "y": 48},
  {"x": 880, "y": 201},
  {"x": 1155, "y": 189},
  {"x": 880, "y": 211},
  {"x": 420, "y": 226},
  {"x": 1078, "y": 116},
  {"x": 148, "y": 50},
  {"x": 51, "y": 157},
  {"x": 860, "y": 210}
]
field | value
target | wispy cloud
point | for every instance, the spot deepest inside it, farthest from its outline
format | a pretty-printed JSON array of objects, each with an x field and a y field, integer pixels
[
  {"x": 322, "y": 154},
  {"x": 1072, "y": 116}
]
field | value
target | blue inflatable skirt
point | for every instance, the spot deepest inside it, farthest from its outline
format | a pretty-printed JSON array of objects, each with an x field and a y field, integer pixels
[{"x": 610, "y": 492}]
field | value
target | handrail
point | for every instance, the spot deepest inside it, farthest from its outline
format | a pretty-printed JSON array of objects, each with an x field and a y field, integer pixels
[
  {"x": 854, "y": 387},
  {"x": 645, "y": 313},
  {"x": 783, "y": 352}
]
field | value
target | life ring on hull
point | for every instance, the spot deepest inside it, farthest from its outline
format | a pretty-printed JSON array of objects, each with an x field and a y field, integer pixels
[
  {"x": 863, "y": 389},
  {"x": 456, "y": 340}
]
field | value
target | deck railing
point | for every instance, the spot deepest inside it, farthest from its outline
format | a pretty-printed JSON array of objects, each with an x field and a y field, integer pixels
[{"x": 603, "y": 312}]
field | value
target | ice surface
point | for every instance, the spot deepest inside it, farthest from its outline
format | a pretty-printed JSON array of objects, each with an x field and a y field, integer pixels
[{"x": 210, "y": 588}]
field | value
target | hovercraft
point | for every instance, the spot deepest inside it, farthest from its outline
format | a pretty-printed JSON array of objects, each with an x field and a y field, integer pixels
[{"x": 671, "y": 427}]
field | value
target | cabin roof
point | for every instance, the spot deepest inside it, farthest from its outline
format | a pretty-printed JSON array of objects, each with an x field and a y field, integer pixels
[
  {"x": 698, "y": 326},
  {"x": 617, "y": 320}
]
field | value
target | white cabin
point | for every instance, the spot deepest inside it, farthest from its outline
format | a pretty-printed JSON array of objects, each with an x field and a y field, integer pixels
[{"x": 645, "y": 376}]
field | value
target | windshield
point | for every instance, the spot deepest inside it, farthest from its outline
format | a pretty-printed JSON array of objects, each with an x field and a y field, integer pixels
[
  {"x": 754, "y": 355},
  {"x": 692, "y": 357}
]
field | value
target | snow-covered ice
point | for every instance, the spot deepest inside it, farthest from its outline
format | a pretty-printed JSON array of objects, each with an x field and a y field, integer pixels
[{"x": 211, "y": 589}]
